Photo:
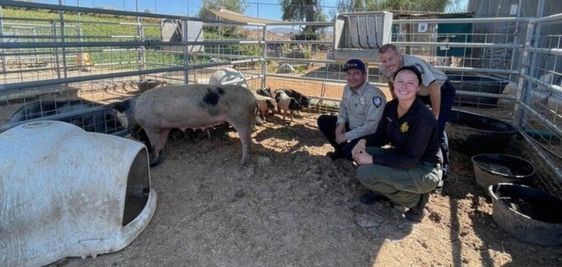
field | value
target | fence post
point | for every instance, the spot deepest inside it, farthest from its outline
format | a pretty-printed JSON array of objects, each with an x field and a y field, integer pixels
[
  {"x": 55, "y": 49},
  {"x": 141, "y": 59},
  {"x": 2, "y": 40},
  {"x": 264, "y": 61},
  {"x": 63, "y": 39},
  {"x": 185, "y": 41},
  {"x": 519, "y": 96},
  {"x": 529, "y": 59}
]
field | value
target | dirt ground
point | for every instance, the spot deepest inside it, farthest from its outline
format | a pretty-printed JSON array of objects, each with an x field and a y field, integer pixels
[{"x": 292, "y": 206}]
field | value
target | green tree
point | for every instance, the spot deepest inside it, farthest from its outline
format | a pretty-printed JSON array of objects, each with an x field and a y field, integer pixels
[
  {"x": 303, "y": 10},
  {"x": 345, "y": 6},
  {"x": 416, "y": 5},
  {"x": 373, "y": 5}
]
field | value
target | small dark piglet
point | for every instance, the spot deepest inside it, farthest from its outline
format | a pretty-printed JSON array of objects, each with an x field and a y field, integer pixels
[{"x": 286, "y": 103}]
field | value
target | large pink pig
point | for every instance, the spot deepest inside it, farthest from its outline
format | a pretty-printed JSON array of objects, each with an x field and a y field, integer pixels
[{"x": 190, "y": 106}]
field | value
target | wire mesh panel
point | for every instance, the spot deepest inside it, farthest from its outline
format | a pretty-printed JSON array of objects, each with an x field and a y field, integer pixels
[
  {"x": 228, "y": 46},
  {"x": 479, "y": 55},
  {"x": 539, "y": 105},
  {"x": 70, "y": 63},
  {"x": 300, "y": 56}
]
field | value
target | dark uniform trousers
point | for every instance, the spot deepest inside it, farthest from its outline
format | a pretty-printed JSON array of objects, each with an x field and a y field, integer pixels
[
  {"x": 327, "y": 125},
  {"x": 400, "y": 185},
  {"x": 447, "y": 98}
]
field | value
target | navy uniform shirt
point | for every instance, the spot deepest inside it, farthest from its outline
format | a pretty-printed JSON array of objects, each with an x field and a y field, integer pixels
[
  {"x": 413, "y": 137},
  {"x": 361, "y": 110}
]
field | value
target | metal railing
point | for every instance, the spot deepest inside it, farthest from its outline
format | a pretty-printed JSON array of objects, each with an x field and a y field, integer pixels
[
  {"x": 49, "y": 57},
  {"x": 538, "y": 109}
]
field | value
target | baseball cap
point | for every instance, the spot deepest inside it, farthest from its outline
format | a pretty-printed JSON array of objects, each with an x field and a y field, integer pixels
[{"x": 354, "y": 64}]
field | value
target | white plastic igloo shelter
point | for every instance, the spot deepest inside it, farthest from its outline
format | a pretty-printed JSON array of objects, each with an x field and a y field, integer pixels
[
  {"x": 65, "y": 192},
  {"x": 228, "y": 76}
]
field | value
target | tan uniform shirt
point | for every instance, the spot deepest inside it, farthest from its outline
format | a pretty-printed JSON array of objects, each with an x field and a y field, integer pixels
[
  {"x": 361, "y": 109},
  {"x": 429, "y": 72}
]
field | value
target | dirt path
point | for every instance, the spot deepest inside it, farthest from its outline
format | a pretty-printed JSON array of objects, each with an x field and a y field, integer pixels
[{"x": 293, "y": 206}]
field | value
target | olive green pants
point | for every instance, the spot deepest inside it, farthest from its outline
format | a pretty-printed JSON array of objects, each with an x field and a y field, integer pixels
[{"x": 403, "y": 186}]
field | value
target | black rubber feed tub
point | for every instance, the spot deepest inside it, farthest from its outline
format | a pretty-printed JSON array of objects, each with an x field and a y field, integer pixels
[
  {"x": 476, "y": 134},
  {"x": 477, "y": 84},
  {"x": 527, "y": 213},
  {"x": 490, "y": 169}
]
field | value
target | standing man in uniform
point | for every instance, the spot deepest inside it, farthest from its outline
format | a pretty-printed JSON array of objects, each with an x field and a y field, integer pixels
[
  {"x": 361, "y": 108},
  {"x": 437, "y": 90}
]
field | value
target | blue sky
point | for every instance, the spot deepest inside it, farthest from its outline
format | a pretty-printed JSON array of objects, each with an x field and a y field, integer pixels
[{"x": 269, "y": 9}]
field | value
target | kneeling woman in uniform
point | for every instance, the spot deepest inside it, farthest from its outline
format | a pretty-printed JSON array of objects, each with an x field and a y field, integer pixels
[{"x": 407, "y": 170}]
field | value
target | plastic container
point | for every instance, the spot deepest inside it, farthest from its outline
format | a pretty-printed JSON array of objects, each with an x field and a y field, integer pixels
[
  {"x": 491, "y": 169},
  {"x": 476, "y": 134},
  {"x": 527, "y": 213},
  {"x": 477, "y": 84}
]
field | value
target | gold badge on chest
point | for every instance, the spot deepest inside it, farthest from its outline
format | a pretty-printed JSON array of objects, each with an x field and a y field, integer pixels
[{"x": 404, "y": 127}]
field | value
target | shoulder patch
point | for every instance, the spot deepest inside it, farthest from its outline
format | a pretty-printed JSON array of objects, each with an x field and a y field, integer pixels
[
  {"x": 377, "y": 101},
  {"x": 419, "y": 67}
]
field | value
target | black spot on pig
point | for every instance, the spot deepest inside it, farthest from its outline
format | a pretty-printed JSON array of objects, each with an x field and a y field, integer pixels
[
  {"x": 220, "y": 91},
  {"x": 305, "y": 101},
  {"x": 270, "y": 104},
  {"x": 294, "y": 104},
  {"x": 211, "y": 98},
  {"x": 264, "y": 92}
]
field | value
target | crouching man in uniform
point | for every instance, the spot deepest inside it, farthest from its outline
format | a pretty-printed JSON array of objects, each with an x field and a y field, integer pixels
[{"x": 361, "y": 108}]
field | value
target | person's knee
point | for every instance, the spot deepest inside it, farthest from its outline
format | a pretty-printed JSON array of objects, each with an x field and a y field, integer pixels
[
  {"x": 323, "y": 121},
  {"x": 320, "y": 119},
  {"x": 365, "y": 174}
]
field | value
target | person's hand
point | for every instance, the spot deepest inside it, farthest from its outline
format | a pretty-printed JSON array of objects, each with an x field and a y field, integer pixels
[
  {"x": 340, "y": 138},
  {"x": 340, "y": 134},
  {"x": 363, "y": 158},
  {"x": 360, "y": 147}
]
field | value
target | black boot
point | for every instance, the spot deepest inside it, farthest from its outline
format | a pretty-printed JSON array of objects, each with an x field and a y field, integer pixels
[{"x": 416, "y": 213}]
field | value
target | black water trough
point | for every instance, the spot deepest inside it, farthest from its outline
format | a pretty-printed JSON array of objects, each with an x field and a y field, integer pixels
[
  {"x": 527, "y": 213},
  {"x": 477, "y": 84},
  {"x": 490, "y": 169},
  {"x": 476, "y": 134}
]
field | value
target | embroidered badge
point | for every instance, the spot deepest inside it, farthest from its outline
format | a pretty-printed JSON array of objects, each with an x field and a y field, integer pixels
[
  {"x": 419, "y": 67},
  {"x": 404, "y": 127},
  {"x": 377, "y": 101}
]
